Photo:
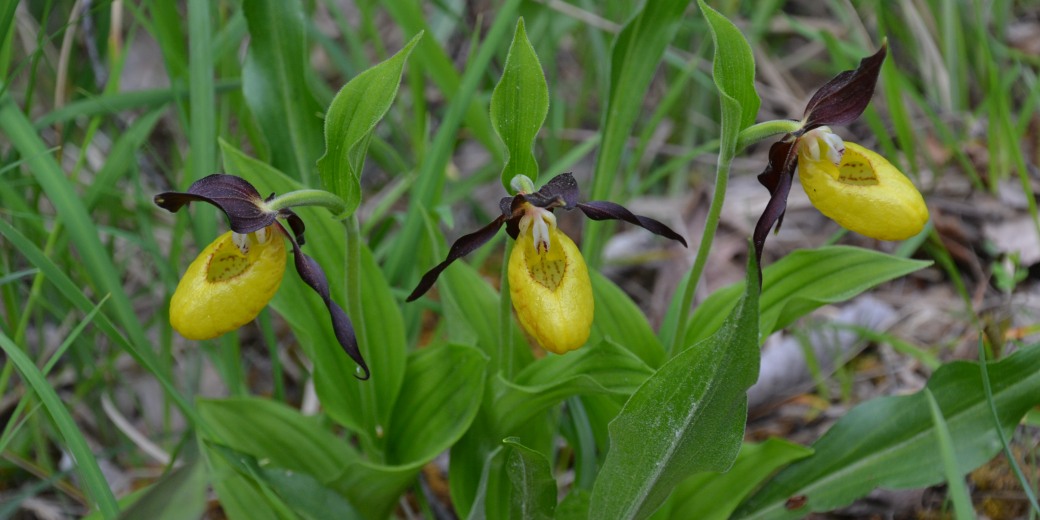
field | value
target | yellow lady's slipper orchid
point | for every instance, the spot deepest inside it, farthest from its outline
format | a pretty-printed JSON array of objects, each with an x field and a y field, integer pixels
[
  {"x": 238, "y": 274},
  {"x": 862, "y": 191},
  {"x": 852, "y": 185},
  {"x": 549, "y": 285},
  {"x": 228, "y": 283},
  {"x": 548, "y": 279}
]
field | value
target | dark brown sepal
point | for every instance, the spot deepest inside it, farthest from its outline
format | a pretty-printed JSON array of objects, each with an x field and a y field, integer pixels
[
  {"x": 778, "y": 178},
  {"x": 236, "y": 197},
  {"x": 313, "y": 275},
  {"x": 842, "y": 99},
  {"x": 605, "y": 210},
  {"x": 465, "y": 245},
  {"x": 560, "y": 191}
]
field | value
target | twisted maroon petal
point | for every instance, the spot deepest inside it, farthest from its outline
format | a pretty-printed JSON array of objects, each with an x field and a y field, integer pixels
[
  {"x": 605, "y": 210},
  {"x": 465, "y": 245},
  {"x": 313, "y": 275}
]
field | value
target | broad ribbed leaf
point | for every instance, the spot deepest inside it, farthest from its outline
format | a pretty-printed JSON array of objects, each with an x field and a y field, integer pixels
[
  {"x": 603, "y": 368},
  {"x": 519, "y": 104},
  {"x": 801, "y": 282},
  {"x": 891, "y": 441},
  {"x": 534, "y": 488},
  {"x": 274, "y": 432},
  {"x": 274, "y": 82},
  {"x": 442, "y": 391},
  {"x": 714, "y": 496},
  {"x": 349, "y": 123},
  {"x": 618, "y": 319},
  {"x": 687, "y": 418}
]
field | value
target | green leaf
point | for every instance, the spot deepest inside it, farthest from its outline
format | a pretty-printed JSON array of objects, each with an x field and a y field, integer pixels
[
  {"x": 617, "y": 318},
  {"x": 274, "y": 83},
  {"x": 519, "y": 105},
  {"x": 349, "y": 123},
  {"x": 179, "y": 494},
  {"x": 688, "y": 417},
  {"x": 801, "y": 282},
  {"x": 956, "y": 488},
  {"x": 442, "y": 390},
  {"x": 272, "y": 431},
  {"x": 861, "y": 452},
  {"x": 714, "y": 496},
  {"x": 733, "y": 66},
  {"x": 441, "y": 395},
  {"x": 471, "y": 316},
  {"x": 603, "y": 368},
  {"x": 534, "y": 488},
  {"x": 636, "y": 53},
  {"x": 93, "y": 481}
]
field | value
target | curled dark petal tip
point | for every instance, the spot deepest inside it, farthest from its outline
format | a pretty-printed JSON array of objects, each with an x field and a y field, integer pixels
[
  {"x": 605, "y": 210},
  {"x": 846, "y": 96},
  {"x": 465, "y": 245},
  {"x": 314, "y": 276}
]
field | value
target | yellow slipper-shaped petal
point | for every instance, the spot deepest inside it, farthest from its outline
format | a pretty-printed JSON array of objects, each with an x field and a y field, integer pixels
[
  {"x": 227, "y": 286},
  {"x": 864, "y": 193},
  {"x": 551, "y": 292}
]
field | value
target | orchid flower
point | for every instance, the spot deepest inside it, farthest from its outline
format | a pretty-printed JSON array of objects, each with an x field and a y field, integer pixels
[{"x": 548, "y": 280}]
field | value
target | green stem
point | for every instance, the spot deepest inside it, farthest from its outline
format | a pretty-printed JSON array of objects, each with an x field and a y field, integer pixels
[
  {"x": 765, "y": 130},
  {"x": 309, "y": 197}
]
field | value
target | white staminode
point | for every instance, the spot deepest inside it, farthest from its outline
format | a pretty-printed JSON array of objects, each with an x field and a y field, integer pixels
[
  {"x": 538, "y": 220},
  {"x": 242, "y": 241},
  {"x": 810, "y": 143}
]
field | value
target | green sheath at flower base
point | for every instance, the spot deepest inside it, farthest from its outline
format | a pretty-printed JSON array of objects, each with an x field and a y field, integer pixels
[
  {"x": 228, "y": 283},
  {"x": 864, "y": 193}
]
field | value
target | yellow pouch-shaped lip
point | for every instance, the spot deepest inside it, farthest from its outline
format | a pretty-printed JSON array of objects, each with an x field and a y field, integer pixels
[
  {"x": 551, "y": 292},
  {"x": 225, "y": 288},
  {"x": 864, "y": 193}
]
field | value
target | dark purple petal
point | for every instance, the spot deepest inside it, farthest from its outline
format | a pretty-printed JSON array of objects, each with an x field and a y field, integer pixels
[
  {"x": 604, "y": 210},
  {"x": 560, "y": 191},
  {"x": 778, "y": 177},
  {"x": 238, "y": 199},
  {"x": 462, "y": 247},
  {"x": 313, "y": 275},
  {"x": 846, "y": 96},
  {"x": 295, "y": 222}
]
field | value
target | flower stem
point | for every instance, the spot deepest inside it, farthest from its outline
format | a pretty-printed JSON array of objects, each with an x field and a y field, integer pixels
[
  {"x": 765, "y": 130},
  {"x": 310, "y": 197}
]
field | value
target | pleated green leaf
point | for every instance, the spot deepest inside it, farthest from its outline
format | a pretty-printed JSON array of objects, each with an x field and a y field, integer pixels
[
  {"x": 714, "y": 496},
  {"x": 349, "y": 123},
  {"x": 604, "y": 368},
  {"x": 534, "y": 488},
  {"x": 617, "y": 318},
  {"x": 801, "y": 282},
  {"x": 687, "y": 418},
  {"x": 519, "y": 104},
  {"x": 891, "y": 441}
]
